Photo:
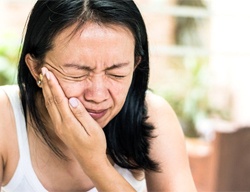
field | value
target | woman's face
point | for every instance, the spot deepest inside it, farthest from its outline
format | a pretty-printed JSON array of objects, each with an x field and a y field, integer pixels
[{"x": 95, "y": 65}]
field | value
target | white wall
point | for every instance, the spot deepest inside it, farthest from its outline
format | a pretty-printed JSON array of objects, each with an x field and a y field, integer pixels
[{"x": 230, "y": 54}]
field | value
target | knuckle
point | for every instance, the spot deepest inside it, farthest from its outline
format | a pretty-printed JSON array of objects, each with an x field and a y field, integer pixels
[
  {"x": 58, "y": 100},
  {"x": 53, "y": 101},
  {"x": 49, "y": 102},
  {"x": 78, "y": 113}
]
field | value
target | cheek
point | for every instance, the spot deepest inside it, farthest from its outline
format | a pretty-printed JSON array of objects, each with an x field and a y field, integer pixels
[
  {"x": 71, "y": 89},
  {"x": 119, "y": 91}
]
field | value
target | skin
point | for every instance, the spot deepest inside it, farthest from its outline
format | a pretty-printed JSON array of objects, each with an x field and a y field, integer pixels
[{"x": 85, "y": 83}]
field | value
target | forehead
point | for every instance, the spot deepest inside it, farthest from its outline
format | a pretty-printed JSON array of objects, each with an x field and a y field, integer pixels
[
  {"x": 93, "y": 44},
  {"x": 93, "y": 31}
]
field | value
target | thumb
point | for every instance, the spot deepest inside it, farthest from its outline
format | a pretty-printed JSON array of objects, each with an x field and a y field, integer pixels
[
  {"x": 73, "y": 102},
  {"x": 78, "y": 109},
  {"x": 81, "y": 113}
]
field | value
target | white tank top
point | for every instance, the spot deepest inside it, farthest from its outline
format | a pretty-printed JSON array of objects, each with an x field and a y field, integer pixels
[{"x": 25, "y": 178}]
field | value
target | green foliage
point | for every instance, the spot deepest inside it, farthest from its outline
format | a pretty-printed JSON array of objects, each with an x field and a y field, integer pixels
[
  {"x": 190, "y": 97},
  {"x": 9, "y": 49}
]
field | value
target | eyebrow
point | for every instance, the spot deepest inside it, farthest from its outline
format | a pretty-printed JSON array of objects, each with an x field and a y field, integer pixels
[
  {"x": 117, "y": 66},
  {"x": 87, "y": 68},
  {"x": 77, "y": 66}
]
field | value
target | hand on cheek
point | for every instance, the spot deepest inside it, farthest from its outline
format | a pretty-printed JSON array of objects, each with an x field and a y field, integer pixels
[{"x": 71, "y": 122}]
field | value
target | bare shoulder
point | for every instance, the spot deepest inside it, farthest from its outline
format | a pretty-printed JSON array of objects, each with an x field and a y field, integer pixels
[
  {"x": 167, "y": 148},
  {"x": 6, "y": 130},
  {"x": 167, "y": 128},
  {"x": 3, "y": 149},
  {"x": 5, "y": 110},
  {"x": 160, "y": 112}
]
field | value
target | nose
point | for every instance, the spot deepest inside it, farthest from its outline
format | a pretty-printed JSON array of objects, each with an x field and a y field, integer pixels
[{"x": 97, "y": 90}]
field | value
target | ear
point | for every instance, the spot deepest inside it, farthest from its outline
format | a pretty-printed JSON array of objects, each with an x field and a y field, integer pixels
[
  {"x": 33, "y": 66},
  {"x": 137, "y": 61}
]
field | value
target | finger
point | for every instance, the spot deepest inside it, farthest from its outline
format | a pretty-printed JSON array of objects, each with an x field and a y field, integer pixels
[
  {"x": 57, "y": 105},
  {"x": 79, "y": 111},
  {"x": 53, "y": 95}
]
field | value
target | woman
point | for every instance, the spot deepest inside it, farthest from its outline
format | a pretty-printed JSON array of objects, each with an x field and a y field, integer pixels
[{"x": 84, "y": 120}]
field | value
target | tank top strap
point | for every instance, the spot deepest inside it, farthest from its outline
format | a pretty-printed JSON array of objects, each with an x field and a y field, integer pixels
[
  {"x": 12, "y": 92},
  {"x": 24, "y": 177},
  {"x": 24, "y": 168}
]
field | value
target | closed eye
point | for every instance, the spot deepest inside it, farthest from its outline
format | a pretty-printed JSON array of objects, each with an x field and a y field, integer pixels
[
  {"x": 118, "y": 76},
  {"x": 79, "y": 77}
]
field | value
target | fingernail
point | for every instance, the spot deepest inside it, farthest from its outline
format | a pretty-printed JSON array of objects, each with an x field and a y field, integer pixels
[
  {"x": 43, "y": 71},
  {"x": 73, "y": 102},
  {"x": 47, "y": 75}
]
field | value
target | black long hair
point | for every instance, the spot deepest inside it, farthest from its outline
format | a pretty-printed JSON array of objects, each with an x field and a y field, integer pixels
[{"x": 127, "y": 134}]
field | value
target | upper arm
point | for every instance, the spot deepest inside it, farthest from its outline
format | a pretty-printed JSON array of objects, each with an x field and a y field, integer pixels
[
  {"x": 4, "y": 103},
  {"x": 168, "y": 149},
  {"x": 1, "y": 170}
]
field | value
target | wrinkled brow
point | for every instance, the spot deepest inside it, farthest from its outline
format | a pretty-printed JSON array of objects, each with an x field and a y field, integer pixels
[{"x": 88, "y": 68}]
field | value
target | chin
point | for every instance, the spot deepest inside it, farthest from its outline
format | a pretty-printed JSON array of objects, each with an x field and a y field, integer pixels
[{"x": 103, "y": 123}]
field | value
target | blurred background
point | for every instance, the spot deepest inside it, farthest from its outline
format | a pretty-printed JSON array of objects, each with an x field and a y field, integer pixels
[{"x": 200, "y": 62}]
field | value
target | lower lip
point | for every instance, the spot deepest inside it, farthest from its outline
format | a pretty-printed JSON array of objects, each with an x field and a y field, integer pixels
[{"x": 98, "y": 115}]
